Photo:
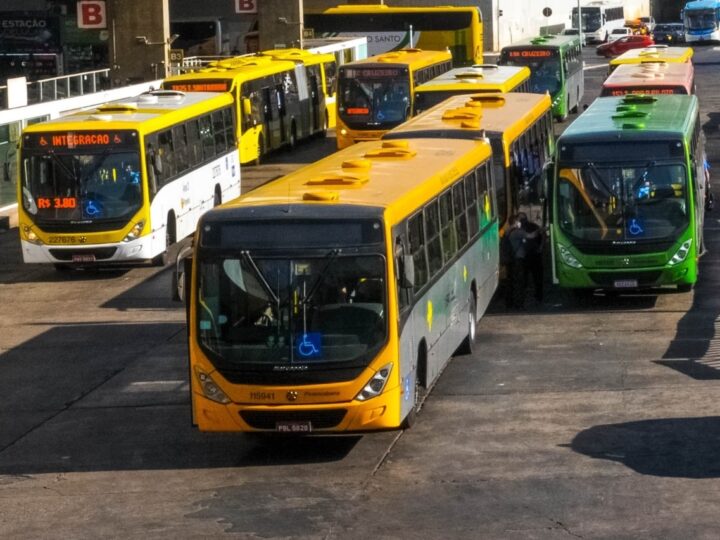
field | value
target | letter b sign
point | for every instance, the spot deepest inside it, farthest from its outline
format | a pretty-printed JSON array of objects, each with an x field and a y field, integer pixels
[
  {"x": 91, "y": 14},
  {"x": 246, "y": 6}
]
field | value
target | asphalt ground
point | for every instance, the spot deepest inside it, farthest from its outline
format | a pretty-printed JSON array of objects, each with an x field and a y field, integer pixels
[{"x": 593, "y": 419}]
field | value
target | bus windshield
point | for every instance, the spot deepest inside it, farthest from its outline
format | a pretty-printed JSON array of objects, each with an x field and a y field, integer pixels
[
  {"x": 376, "y": 98},
  {"x": 279, "y": 310},
  {"x": 591, "y": 20},
  {"x": 82, "y": 186},
  {"x": 700, "y": 19},
  {"x": 622, "y": 202},
  {"x": 544, "y": 64}
]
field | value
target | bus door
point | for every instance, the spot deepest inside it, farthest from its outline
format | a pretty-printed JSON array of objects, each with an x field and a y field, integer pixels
[
  {"x": 279, "y": 102},
  {"x": 314, "y": 85}
]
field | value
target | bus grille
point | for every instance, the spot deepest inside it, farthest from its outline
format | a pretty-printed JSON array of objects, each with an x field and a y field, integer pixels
[
  {"x": 608, "y": 279},
  {"x": 319, "y": 419},
  {"x": 99, "y": 253}
]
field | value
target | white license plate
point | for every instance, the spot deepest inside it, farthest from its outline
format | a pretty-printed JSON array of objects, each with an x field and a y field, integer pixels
[
  {"x": 626, "y": 284},
  {"x": 293, "y": 427},
  {"x": 84, "y": 258}
]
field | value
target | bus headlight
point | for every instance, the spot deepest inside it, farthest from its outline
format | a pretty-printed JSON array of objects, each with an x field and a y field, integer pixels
[
  {"x": 568, "y": 258},
  {"x": 343, "y": 132},
  {"x": 210, "y": 389},
  {"x": 134, "y": 233},
  {"x": 682, "y": 253},
  {"x": 376, "y": 384},
  {"x": 30, "y": 235}
]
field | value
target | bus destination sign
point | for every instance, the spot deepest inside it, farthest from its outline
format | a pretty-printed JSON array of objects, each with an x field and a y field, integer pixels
[
  {"x": 531, "y": 53},
  {"x": 372, "y": 73},
  {"x": 68, "y": 140},
  {"x": 198, "y": 86}
]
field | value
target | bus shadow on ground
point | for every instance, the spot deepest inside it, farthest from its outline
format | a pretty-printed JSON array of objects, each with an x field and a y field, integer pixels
[
  {"x": 669, "y": 447},
  {"x": 109, "y": 396}
]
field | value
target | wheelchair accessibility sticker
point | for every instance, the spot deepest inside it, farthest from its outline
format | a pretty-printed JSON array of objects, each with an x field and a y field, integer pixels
[
  {"x": 635, "y": 227},
  {"x": 309, "y": 345}
]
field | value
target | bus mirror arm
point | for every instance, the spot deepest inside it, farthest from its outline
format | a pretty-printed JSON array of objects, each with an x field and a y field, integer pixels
[
  {"x": 182, "y": 275},
  {"x": 408, "y": 272}
]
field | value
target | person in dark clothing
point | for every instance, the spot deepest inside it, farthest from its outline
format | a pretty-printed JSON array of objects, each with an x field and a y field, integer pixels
[
  {"x": 534, "y": 242},
  {"x": 514, "y": 250}
]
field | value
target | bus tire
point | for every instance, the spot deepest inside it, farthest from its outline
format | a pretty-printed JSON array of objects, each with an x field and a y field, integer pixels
[
  {"x": 163, "y": 258},
  {"x": 468, "y": 344},
  {"x": 217, "y": 197},
  {"x": 684, "y": 287},
  {"x": 411, "y": 418}
]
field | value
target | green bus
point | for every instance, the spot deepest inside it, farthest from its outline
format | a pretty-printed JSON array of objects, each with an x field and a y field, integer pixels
[
  {"x": 556, "y": 67},
  {"x": 628, "y": 195}
]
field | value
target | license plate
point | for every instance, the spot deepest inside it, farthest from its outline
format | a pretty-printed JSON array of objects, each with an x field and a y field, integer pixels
[
  {"x": 84, "y": 258},
  {"x": 293, "y": 427},
  {"x": 626, "y": 284}
]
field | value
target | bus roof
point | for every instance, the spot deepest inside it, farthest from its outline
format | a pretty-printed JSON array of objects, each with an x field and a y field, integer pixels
[
  {"x": 478, "y": 77},
  {"x": 398, "y": 175},
  {"x": 237, "y": 72},
  {"x": 655, "y": 74},
  {"x": 147, "y": 112},
  {"x": 413, "y": 58},
  {"x": 656, "y": 53},
  {"x": 298, "y": 55},
  {"x": 633, "y": 117},
  {"x": 703, "y": 4},
  {"x": 471, "y": 116},
  {"x": 551, "y": 41}
]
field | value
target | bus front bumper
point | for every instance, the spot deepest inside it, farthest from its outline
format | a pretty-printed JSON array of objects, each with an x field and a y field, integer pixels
[
  {"x": 140, "y": 249},
  {"x": 378, "y": 413},
  {"x": 627, "y": 278}
]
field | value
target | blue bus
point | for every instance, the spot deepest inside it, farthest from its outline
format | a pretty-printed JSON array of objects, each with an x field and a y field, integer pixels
[{"x": 701, "y": 19}]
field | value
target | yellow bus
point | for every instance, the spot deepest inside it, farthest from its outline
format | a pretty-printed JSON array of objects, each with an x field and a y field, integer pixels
[
  {"x": 281, "y": 96},
  {"x": 124, "y": 181},
  {"x": 519, "y": 127},
  {"x": 329, "y": 300},
  {"x": 388, "y": 28},
  {"x": 649, "y": 55},
  {"x": 376, "y": 94},
  {"x": 471, "y": 80}
]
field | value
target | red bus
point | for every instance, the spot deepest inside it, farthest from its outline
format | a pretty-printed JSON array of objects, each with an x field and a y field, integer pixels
[{"x": 651, "y": 78}]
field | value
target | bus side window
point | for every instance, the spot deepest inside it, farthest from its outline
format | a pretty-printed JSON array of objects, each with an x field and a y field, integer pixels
[
  {"x": 193, "y": 141},
  {"x": 449, "y": 235},
  {"x": 206, "y": 136},
  {"x": 219, "y": 131},
  {"x": 403, "y": 293},
  {"x": 229, "y": 127},
  {"x": 330, "y": 76},
  {"x": 182, "y": 156},
  {"x": 432, "y": 235},
  {"x": 461, "y": 226},
  {"x": 472, "y": 206},
  {"x": 416, "y": 235},
  {"x": 152, "y": 160},
  {"x": 501, "y": 189},
  {"x": 167, "y": 157}
]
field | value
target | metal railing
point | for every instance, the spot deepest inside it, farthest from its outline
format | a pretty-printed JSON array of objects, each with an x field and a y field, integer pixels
[{"x": 65, "y": 86}]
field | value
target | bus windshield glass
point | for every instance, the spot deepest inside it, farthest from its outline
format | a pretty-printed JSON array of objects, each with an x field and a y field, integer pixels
[
  {"x": 377, "y": 98},
  {"x": 590, "y": 18},
  {"x": 544, "y": 64},
  {"x": 700, "y": 19},
  {"x": 256, "y": 309},
  {"x": 93, "y": 182},
  {"x": 622, "y": 202}
]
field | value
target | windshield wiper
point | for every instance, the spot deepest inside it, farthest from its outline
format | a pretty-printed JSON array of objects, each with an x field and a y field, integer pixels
[
  {"x": 259, "y": 275},
  {"x": 331, "y": 256},
  {"x": 69, "y": 172},
  {"x": 598, "y": 176}
]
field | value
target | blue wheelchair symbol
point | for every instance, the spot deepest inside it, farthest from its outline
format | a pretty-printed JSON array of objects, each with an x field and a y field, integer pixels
[
  {"x": 91, "y": 209},
  {"x": 308, "y": 345},
  {"x": 635, "y": 228}
]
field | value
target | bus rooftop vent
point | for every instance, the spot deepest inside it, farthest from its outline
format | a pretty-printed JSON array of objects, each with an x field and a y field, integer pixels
[
  {"x": 485, "y": 66},
  {"x": 487, "y": 100},
  {"x": 539, "y": 40},
  {"x": 623, "y": 115},
  {"x": 633, "y": 125},
  {"x": 463, "y": 113},
  {"x": 392, "y": 149},
  {"x": 470, "y": 74},
  {"x": 100, "y": 117},
  {"x": 118, "y": 108},
  {"x": 338, "y": 180},
  {"x": 356, "y": 164},
  {"x": 322, "y": 196}
]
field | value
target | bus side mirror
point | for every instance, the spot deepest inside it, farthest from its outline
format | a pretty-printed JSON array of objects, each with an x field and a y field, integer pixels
[
  {"x": 246, "y": 107},
  {"x": 407, "y": 273},
  {"x": 182, "y": 275}
]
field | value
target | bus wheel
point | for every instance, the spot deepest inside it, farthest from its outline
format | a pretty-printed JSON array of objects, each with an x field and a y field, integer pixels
[
  {"x": 468, "y": 344},
  {"x": 684, "y": 287},
  {"x": 170, "y": 238}
]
